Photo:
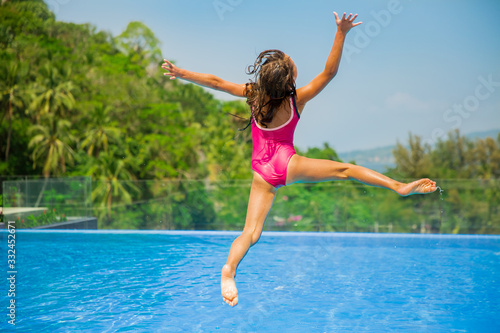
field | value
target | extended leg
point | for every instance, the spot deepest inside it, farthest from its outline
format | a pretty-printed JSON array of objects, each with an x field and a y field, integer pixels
[
  {"x": 303, "y": 169},
  {"x": 261, "y": 199}
]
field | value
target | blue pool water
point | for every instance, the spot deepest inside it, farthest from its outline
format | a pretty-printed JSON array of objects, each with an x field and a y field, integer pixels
[{"x": 289, "y": 282}]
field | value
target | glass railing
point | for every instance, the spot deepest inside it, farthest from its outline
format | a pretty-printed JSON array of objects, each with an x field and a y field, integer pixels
[
  {"x": 464, "y": 206},
  {"x": 32, "y": 202}
]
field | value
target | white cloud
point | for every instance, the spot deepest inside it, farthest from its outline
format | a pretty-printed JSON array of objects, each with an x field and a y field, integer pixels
[{"x": 405, "y": 102}]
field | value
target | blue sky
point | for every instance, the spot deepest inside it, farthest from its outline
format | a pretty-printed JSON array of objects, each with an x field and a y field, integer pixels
[{"x": 423, "y": 66}]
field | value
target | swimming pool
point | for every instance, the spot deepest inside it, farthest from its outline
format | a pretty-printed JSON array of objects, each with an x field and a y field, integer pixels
[{"x": 289, "y": 282}]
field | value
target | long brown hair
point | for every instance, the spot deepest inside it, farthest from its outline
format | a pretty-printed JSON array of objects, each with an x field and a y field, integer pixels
[{"x": 273, "y": 81}]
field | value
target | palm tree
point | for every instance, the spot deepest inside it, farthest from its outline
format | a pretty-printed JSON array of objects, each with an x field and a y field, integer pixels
[
  {"x": 54, "y": 93},
  {"x": 12, "y": 96},
  {"x": 50, "y": 142},
  {"x": 140, "y": 44},
  {"x": 113, "y": 180},
  {"x": 101, "y": 129}
]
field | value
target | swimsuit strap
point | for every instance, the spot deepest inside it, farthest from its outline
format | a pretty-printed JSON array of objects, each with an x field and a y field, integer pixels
[{"x": 295, "y": 104}]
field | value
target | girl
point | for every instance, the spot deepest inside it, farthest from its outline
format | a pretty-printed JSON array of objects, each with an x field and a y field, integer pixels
[{"x": 276, "y": 108}]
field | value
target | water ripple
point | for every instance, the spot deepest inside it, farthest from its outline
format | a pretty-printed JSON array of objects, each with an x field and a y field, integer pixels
[{"x": 99, "y": 282}]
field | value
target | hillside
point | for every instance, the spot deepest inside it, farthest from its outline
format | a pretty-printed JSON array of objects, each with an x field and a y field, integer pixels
[{"x": 382, "y": 158}]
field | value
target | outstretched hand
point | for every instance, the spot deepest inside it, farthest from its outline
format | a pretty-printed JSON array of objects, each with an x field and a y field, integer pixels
[
  {"x": 172, "y": 70},
  {"x": 344, "y": 23}
]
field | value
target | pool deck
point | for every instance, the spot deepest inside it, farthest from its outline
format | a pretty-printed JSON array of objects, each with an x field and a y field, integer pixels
[{"x": 22, "y": 210}]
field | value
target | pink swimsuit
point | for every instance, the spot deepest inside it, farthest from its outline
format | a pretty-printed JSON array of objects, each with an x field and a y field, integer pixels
[{"x": 273, "y": 148}]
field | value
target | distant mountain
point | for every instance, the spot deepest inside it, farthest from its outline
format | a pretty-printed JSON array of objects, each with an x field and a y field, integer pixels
[
  {"x": 483, "y": 135},
  {"x": 380, "y": 159}
]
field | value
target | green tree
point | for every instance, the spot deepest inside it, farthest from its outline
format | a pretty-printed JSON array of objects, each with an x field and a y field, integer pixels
[
  {"x": 227, "y": 150},
  {"x": 452, "y": 158},
  {"x": 486, "y": 154},
  {"x": 413, "y": 162},
  {"x": 101, "y": 130},
  {"x": 21, "y": 19},
  {"x": 140, "y": 44},
  {"x": 51, "y": 141},
  {"x": 53, "y": 92},
  {"x": 13, "y": 96},
  {"x": 113, "y": 180}
]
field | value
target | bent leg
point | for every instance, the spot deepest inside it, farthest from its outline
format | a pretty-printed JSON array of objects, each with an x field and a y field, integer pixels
[
  {"x": 303, "y": 169},
  {"x": 261, "y": 199}
]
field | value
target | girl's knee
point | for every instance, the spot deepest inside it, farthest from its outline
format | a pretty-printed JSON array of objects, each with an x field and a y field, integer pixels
[
  {"x": 255, "y": 237},
  {"x": 252, "y": 235},
  {"x": 344, "y": 170}
]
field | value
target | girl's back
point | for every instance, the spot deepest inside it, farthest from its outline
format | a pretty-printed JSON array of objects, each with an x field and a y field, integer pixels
[{"x": 282, "y": 115}]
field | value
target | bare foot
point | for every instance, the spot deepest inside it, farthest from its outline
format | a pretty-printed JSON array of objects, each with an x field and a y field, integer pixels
[
  {"x": 228, "y": 286},
  {"x": 421, "y": 186}
]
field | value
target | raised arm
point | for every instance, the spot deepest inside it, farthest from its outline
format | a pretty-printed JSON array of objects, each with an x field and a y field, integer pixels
[
  {"x": 206, "y": 80},
  {"x": 314, "y": 87}
]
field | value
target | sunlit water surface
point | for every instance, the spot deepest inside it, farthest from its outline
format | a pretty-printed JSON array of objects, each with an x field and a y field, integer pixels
[{"x": 289, "y": 282}]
